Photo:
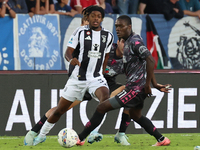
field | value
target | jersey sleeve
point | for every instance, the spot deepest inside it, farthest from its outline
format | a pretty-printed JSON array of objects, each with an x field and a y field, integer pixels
[
  {"x": 73, "y": 40},
  {"x": 140, "y": 49},
  {"x": 110, "y": 42}
]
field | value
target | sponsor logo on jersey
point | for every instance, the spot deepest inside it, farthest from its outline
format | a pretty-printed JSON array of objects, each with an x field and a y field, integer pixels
[
  {"x": 70, "y": 41},
  {"x": 137, "y": 42},
  {"x": 88, "y": 38},
  {"x": 96, "y": 47},
  {"x": 88, "y": 33},
  {"x": 94, "y": 54}
]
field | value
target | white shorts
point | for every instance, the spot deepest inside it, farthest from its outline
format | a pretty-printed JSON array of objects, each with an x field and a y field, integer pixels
[{"x": 75, "y": 89}]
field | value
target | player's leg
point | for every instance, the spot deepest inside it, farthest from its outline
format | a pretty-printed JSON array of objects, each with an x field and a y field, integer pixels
[
  {"x": 102, "y": 94},
  {"x": 117, "y": 90},
  {"x": 96, "y": 119},
  {"x": 136, "y": 115},
  {"x": 62, "y": 107},
  {"x": 74, "y": 90},
  {"x": 120, "y": 136},
  {"x": 28, "y": 140}
]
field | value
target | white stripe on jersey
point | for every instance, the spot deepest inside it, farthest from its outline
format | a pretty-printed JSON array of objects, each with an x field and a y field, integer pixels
[{"x": 97, "y": 43}]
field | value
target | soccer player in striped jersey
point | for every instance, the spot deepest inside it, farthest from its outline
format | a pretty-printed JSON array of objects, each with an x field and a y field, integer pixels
[
  {"x": 87, "y": 74},
  {"x": 139, "y": 69}
]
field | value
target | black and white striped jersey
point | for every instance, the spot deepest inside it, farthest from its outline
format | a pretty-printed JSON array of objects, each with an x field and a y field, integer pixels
[{"x": 90, "y": 49}]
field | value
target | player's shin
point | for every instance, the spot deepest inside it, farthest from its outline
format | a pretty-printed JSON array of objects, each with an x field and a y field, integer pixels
[{"x": 91, "y": 125}]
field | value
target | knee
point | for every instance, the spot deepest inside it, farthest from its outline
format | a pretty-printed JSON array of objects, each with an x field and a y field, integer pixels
[
  {"x": 135, "y": 114},
  {"x": 135, "y": 118},
  {"x": 58, "y": 112},
  {"x": 101, "y": 108}
]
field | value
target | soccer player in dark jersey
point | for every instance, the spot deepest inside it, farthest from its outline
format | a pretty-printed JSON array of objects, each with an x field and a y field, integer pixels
[
  {"x": 87, "y": 75},
  {"x": 139, "y": 69}
]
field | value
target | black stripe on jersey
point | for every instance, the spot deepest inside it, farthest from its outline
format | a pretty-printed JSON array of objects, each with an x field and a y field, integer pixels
[
  {"x": 85, "y": 59},
  {"x": 111, "y": 40},
  {"x": 103, "y": 41}
]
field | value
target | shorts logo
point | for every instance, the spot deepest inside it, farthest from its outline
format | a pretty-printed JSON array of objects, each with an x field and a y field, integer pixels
[{"x": 38, "y": 42}]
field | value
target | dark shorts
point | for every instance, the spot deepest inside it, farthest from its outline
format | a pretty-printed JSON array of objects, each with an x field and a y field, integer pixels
[{"x": 128, "y": 98}]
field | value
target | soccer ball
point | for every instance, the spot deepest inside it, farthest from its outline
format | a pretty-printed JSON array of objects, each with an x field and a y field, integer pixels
[
  {"x": 197, "y": 148},
  {"x": 67, "y": 137}
]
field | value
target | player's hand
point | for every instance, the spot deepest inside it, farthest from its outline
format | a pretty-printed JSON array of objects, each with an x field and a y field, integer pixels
[
  {"x": 147, "y": 90},
  {"x": 75, "y": 62},
  {"x": 163, "y": 88}
]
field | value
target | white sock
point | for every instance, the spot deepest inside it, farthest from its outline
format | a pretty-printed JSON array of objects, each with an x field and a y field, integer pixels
[{"x": 46, "y": 128}]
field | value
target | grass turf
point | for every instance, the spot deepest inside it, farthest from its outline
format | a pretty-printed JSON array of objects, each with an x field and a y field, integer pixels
[{"x": 181, "y": 141}]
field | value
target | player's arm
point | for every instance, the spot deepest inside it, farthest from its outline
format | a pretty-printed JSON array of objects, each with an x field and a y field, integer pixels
[
  {"x": 69, "y": 57},
  {"x": 105, "y": 62},
  {"x": 150, "y": 71},
  {"x": 120, "y": 47},
  {"x": 163, "y": 88}
]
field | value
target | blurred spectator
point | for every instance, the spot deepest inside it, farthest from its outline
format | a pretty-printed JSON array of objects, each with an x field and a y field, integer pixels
[
  {"x": 45, "y": 7},
  {"x": 172, "y": 9},
  {"x": 5, "y": 8},
  {"x": 127, "y": 6},
  {"x": 19, "y": 6},
  {"x": 150, "y": 6},
  {"x": 79, "y": 5},
  {"x": 106, "y": 6},
  {"x": 190, "y": 7},
  {"x": 63, "y": 8},
  {"x": 40, "y": 7},
  {"x": 113, "y": 5}
]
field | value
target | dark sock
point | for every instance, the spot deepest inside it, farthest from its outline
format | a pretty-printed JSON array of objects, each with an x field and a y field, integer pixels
[
  {"x": 150, "y": 128},
  {"x": 124, "y": 122},
  {"x": 91, "y": 125},
  {"x": 39, "y": 125}
]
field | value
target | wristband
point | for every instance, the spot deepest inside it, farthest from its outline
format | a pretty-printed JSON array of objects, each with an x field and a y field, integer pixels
[{"x": 70, "y": 61}]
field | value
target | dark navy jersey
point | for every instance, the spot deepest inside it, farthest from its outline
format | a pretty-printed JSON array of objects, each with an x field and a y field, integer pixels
[
  {"x": 115, "y": 63},
  {"x": 134, "y": 59},
  {"x": 114, "y": 66}
]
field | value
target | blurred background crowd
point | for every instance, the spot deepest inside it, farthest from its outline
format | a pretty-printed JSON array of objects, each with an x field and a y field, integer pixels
[{"x": 169, "y": 8}]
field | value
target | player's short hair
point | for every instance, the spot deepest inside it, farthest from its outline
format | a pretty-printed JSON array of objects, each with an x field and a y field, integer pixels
[
  {"x": 59, "y": 1},
  {"x": 87, "y": 11},
  {"x": 126, "y": 18}
]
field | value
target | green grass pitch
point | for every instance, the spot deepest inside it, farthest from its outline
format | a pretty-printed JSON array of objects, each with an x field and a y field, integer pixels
[{"x": 180, "y": 141}]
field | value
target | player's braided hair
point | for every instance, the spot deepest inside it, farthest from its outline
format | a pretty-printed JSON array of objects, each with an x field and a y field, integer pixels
[{"x": 86, "y": 12}]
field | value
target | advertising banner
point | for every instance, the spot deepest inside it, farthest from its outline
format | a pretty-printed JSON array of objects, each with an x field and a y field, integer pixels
[
  {"x": 6, "y": 44},
  {"x": 25, "y": 102},
  {"x": 39, "y": 47}
]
